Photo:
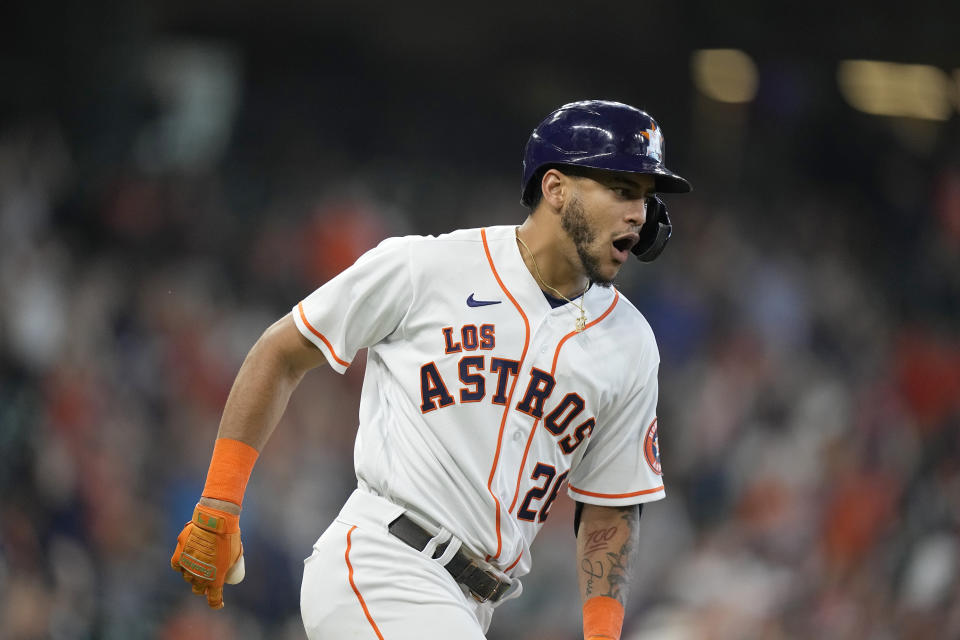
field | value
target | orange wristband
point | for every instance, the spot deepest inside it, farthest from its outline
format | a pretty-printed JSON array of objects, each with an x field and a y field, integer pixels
[
  {"x": 230, "y": 470},
  {"x": 602, "y": 618}
]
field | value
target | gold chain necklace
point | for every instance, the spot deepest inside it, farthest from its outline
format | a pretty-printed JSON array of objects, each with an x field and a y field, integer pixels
[{"x": 582, "y": 320}]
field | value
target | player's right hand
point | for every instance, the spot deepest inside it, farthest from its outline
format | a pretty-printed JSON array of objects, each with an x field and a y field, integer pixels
[{"x": 209, "y": 553}]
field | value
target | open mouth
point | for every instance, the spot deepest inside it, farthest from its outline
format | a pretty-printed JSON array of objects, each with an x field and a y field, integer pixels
[{"x": 625, "y": 243}]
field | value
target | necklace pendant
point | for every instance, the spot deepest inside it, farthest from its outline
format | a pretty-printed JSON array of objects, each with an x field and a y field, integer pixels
[{"x": 581, "y": 323}]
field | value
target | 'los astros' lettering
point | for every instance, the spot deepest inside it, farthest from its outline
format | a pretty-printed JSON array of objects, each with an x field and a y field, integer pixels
[{"x": 435, "y": 394}]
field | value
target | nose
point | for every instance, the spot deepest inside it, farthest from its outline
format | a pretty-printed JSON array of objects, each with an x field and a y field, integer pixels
[{"x": 637, "y": 212}]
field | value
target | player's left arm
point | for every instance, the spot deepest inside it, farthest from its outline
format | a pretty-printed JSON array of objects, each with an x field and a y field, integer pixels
[{"x": 606, "y": 540}]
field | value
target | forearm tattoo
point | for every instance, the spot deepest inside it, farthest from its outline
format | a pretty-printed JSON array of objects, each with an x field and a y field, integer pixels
[
  {"x": 618, "y": 577},
  {"x": 605, "y": 557},
  {"x": 592, "y": 570}
]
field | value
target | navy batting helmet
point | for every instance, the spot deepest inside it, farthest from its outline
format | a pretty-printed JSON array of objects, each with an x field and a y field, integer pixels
[{"x": 599, "y": 134}]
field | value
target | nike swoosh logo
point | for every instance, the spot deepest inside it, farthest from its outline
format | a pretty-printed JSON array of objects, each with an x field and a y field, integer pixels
[{"x": 480, "y": 303}]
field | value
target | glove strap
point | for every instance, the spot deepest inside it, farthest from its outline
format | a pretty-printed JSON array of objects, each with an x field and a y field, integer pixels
[
  {"x": 215, "y": 520},
  {"x": 602, "y": 618},
  {"x": 230, "y": 469}
]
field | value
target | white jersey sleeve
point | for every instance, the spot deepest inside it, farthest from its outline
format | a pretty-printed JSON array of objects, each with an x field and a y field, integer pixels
[
  {"x": 621, "y": 465},
  {"x": 360, "y": 306}
]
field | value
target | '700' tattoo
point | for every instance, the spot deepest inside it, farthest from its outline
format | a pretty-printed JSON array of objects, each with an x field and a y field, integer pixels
[{"x": 599, "y": 539}]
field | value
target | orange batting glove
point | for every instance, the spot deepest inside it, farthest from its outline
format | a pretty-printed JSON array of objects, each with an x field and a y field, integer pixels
[
  {"x": 602, "y": 618},
  {"x": 209, "y": 553}
]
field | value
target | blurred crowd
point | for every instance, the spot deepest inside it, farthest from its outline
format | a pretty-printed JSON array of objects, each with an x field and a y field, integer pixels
[{"x": 810, "y": 397}]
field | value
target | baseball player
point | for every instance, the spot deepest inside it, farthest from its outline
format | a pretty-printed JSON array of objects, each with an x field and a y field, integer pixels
[{"x": 502, "y": 366}]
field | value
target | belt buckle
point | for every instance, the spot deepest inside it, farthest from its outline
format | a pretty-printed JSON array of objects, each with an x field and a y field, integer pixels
[{"x": 483, "y": 597}]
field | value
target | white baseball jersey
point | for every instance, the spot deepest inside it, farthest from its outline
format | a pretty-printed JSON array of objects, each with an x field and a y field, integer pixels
[{"x": 480, "y": 400}]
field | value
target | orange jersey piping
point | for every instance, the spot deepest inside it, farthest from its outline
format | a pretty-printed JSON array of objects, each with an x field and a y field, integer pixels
[
  {"x": 306, "y": 323},
  {"x": 506, "y": 409},
  {"x": 614, "y": 495},
  {"x": 515, "y": 562},
  {"x": 356, "y": 591},
  {"x": 553, "y": 371}
]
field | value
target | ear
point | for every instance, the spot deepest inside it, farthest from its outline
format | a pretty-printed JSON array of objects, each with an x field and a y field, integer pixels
[{"x": 555, "y": 187}]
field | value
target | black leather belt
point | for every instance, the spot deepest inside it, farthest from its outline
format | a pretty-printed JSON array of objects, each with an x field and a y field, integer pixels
[{"x": 483, "y": 585}]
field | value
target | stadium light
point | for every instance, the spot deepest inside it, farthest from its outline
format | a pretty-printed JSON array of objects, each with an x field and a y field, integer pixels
[
  {"x": 726, "y": 75},
  {"x": 892, "y": 89}
]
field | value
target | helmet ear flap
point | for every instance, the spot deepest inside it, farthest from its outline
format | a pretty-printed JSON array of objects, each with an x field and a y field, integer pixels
[{"x": 655, "y": 232}]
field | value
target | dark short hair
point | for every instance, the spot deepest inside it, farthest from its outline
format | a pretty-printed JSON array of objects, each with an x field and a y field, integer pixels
[{"x": 566, "y": 169}]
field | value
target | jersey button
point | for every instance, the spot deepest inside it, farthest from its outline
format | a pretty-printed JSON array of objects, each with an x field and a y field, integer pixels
[{"x": 518, "y": 435}]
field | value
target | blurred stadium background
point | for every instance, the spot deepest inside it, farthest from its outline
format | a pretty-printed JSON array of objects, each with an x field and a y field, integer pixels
[{"x": 176, "y": 175}]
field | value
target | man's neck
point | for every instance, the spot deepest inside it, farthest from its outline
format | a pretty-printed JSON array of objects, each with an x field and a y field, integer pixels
[{"x": 551, "y": 258}]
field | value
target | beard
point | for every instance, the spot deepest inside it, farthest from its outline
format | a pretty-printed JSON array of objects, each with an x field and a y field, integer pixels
[{"x": 574, "y": 222}]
